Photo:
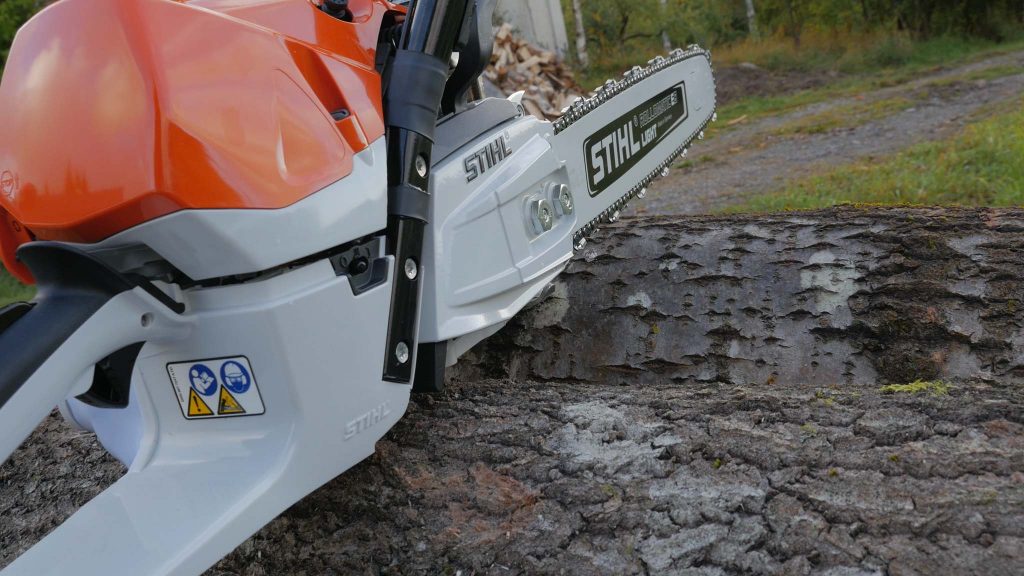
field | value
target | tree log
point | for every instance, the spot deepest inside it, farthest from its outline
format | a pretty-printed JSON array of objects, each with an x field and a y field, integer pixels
[
  {"x": 699, "y": 396},
  {"x": 843, "y": 296}
]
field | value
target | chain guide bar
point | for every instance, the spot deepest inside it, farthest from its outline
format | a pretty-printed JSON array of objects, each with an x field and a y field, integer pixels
[{"x": 611, "y": 88}]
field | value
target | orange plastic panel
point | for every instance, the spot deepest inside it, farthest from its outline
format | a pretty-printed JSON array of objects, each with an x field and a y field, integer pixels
[
  {"x": 115, "y": 112},
  {"x": 12, "y": 235}
]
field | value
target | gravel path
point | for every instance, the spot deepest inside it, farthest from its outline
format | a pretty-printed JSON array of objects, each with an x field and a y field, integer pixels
[{"x": 749, "y": 159}]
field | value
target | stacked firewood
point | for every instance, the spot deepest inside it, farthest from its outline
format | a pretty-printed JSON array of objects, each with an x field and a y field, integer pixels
[{"x": 548, "y": 82}]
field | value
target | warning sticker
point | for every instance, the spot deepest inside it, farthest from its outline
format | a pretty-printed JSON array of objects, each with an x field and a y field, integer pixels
[
  {"x": 196, "y": 406},
  {"x": 225, "y": 383},
  {"x": 228, "y": 405}
]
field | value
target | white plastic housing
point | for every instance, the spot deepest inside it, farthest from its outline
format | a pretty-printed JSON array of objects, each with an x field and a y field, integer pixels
[{"x": 483, "y": 259}]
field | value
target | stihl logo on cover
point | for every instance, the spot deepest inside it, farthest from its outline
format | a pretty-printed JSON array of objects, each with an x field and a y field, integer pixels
[
  {"x": 617, "y": 147},
  {"x": 487, "y": 157}
]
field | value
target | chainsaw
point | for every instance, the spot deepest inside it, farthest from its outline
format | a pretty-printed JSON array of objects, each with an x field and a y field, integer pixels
[{"x": 256, "y": 226}]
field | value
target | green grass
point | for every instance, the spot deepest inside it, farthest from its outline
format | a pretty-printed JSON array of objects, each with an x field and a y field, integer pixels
[
  {"x": 891, "y": 62},
  {"x": 861, "y": 61},
  {"x": 980, "y": 167},
  {"x": 11, "y": 290},
  {"x": 990, "y": 73},
  {"x": 844, "y": 117}
]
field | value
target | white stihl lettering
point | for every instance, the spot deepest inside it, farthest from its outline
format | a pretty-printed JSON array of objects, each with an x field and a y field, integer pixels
[
  {"x": 613, "y": 151},
  {"x": 597, "y": 163},
  {"x": 650, "y": 135},
  {"x": 366, "y": 421}
]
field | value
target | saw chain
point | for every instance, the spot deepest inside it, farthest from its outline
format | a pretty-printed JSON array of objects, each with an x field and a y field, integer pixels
[{"x": 581, "y": 107}]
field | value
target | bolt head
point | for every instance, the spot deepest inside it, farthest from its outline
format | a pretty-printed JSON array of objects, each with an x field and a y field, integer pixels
[
  {"x": 421, "y": 166},
  {"x": 641, "y": 193},
  {"x": 565, "y": 200},
  {"x": 402, "y": 352},
  {"x": 579, "y": 245},
  {"x": 543, "y": 215},
  {"x": 411, "y": 269}
]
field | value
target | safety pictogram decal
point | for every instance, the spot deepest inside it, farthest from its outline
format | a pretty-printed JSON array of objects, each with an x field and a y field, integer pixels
[
  {"x": 228, "y": 405},
  {"x": 196, "y": 406},
  {"x": 228, "y": 384}
]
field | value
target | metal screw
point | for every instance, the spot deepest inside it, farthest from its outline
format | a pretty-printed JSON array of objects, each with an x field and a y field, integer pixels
[
  {"x": 421, "y": 166},
  {"x": 641, "y": 193},
  {"x": 411, "y": 269},
  {"x": 402, "y": 352},
  {"x": 614, "y": 217},
  {"x": 359, "y": 265},
  {"x": 543, "y": 215},
  {"x": 580, "y": 243}
]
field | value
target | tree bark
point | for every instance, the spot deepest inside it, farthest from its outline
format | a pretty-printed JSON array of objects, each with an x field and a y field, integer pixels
[
  {"x": 795, "y": 24},
  {"x": 666, "y": 42},
  {"x": 700, "y": 393},
  {"x": 842, "y": 296},
  {"x": 581, "y": 35},
  {"x": 752, "y": 21}
]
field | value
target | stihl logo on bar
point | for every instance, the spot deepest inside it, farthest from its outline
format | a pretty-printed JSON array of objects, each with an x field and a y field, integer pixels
[
  {"x": 487, "y": 157},
  {"x": 617, "y": 147}
]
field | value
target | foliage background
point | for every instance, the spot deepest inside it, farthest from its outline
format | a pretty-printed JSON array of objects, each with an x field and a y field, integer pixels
[
  {"x": 794, "y": 33},
  {"x": 14, "y": 13}
]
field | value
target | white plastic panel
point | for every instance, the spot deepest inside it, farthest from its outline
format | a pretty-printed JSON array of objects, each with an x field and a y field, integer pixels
[
  {"x": 214, "y": 243},
  {"x": 195, "y": 489},
  {"x": 492, "y": 261}
]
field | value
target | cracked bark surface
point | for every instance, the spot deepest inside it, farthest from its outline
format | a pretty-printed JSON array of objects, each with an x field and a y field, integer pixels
[
  {"x": 839, "y": 296},
  {"x": 583, "y": 441}
]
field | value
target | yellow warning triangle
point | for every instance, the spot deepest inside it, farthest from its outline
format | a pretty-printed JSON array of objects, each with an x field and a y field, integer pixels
[
  {"x": 228, "y": 404},
  {"x": 196, "y": 406}
]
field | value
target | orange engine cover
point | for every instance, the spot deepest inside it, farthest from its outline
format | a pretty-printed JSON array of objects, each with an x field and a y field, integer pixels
[{"x": 115, "y": 112}]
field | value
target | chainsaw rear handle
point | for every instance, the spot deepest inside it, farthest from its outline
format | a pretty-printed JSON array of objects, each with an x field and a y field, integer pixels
[{"x": 45, "y": 350}]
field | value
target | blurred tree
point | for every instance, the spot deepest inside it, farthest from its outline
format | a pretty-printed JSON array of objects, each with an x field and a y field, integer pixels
[
  {"x": 581, "y": 34},
  {"x": 752, "y": 21},
  {"x": 618, "y": 26},
  {"x": 14, "y": 13}
]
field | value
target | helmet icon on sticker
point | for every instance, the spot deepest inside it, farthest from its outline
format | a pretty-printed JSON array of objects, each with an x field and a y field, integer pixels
[
  {"x": 236, "y": 378},
  {"x": 202, "y": 379}
]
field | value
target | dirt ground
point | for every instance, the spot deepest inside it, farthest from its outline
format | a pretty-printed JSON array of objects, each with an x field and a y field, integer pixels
[
  {"x": 745, "y": 80},
  {"x": 754, "y": 158}
]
